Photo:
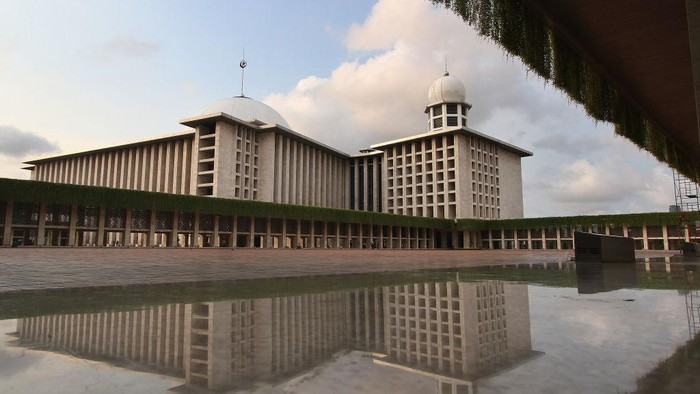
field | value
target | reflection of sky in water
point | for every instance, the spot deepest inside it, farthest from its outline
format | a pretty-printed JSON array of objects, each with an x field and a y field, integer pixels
[
  {"x": 567, "y": 342},
  {"x": 28, "y": 371},
  {"x": 595, "y": 343}
]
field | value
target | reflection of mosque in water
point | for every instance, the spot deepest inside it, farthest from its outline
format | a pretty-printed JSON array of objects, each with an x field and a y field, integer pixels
[{"x": 455, "y": 332}]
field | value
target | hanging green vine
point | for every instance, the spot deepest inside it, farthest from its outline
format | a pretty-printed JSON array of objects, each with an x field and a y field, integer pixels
[{"x": 526, "y": 34}]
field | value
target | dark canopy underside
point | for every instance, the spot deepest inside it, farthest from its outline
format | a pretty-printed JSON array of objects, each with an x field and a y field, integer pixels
[{"x": 628, "y": 62}]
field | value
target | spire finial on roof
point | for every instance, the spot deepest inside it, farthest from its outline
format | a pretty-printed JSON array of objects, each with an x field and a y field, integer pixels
[
  {"x": 243, "y": 63},
  {"x": 447, "y": 73}
]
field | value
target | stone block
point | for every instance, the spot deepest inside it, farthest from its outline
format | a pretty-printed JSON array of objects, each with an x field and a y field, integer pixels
[{"x": 603, "y": 248}]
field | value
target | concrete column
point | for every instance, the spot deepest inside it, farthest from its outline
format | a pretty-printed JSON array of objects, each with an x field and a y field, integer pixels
[
  {"x": 152, "y": 228},
  {"x": 664, "y": 229},
  {"x": 645, "y": 237},
  {"x": 173, "y": 232},
  {"x": 195, "y": 230},
  {"x": 7, "y": 231},
  {"x": 268, "y": 232},
  {"x": 390, "y": 240},
  {"x": 312, "y": 230},
  {"x": 40, "y": 237},
  {"x": 297, "y": 238},
  {"x": 72, "y": 235},
  {"x": 381, "y": 238},
  {"x": 359, "y": 235},
  {"x": 324, "y": 243},
  {"x": 337, "y": 235},
  {"x": 251, "y": 238},
  {"x": 558, "y": 237},
  {"x": 283, "y": 243},
  {"x": 101, "y": 226},
  {"x": 234, "y": 232},
  {"x": 215, "y": 235},
  {"x": 127, "y": 227}
]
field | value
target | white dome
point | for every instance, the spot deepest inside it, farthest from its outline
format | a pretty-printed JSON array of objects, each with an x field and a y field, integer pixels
[
  {"x": 246, "y": 109},
  {"x": 446, "y": 89}
]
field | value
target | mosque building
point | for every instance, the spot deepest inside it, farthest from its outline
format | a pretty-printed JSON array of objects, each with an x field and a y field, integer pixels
[{"x": 241, "y": 148}]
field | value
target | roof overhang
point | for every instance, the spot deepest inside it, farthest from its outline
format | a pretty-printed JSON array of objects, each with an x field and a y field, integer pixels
[
  {"x": 260, "y": 127},
  {"x": 650, "y": 50},
  {"x": 461, "y": 130},
  {"x": 168, "y": 137}
]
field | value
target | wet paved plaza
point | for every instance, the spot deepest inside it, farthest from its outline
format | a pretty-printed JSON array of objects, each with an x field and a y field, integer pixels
[
  {"x": 49, "y": 268},
  {"x": 365, "y": 321}
]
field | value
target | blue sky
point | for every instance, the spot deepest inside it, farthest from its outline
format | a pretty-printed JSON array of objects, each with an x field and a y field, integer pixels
[{"x": 76, "y": 75}]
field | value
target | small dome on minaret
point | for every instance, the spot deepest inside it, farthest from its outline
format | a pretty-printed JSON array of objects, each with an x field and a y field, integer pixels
[
  {"x": 447, "y": 107},
  {"x": 446, "y": 89}
]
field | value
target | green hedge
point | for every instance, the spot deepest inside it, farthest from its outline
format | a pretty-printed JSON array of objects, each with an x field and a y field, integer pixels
[
  {"x": 22, "y": 190},
  {"x": 629, "y": 219},
  {"x": 528, "y": 35}
]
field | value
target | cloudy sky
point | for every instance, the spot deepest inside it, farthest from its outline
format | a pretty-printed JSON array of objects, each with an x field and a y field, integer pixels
[{"x": 76, "y": 75}]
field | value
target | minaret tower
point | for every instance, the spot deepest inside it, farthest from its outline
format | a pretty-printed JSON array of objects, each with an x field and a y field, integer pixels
[{"x": 447, "y": 107}]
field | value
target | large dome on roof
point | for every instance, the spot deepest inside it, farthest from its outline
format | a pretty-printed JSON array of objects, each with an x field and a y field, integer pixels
[
  {"x": 246, "y": 109},
  {"x": 446, "y": 89}
]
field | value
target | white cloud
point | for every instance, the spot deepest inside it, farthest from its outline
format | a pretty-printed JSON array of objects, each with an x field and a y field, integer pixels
[
  {"x": 17, "y": 143},
  {"x": 380, "y": 94}
]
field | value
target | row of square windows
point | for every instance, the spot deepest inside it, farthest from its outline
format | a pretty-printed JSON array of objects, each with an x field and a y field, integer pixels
[
  {"x": 493, "y": 213},
  {"x": 400, "y": 202},
  {"x": 428, "y": 211},
  {"x": 486, "y": 189},
  {"x": 420, "y": 158},
  {"x": 495, "y": 201},
  {"x": 422, "y": 146},
  {"x": 418, "y": 168},
  {"x": 485, "y": 178},
  {"x": 429, "y": 188}
]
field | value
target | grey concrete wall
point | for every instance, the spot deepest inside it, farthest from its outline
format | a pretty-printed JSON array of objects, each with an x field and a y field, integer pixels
[{"x": 511, "y": 185}]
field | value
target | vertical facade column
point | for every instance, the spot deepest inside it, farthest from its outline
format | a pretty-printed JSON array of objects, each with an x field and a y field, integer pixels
[
  {"x": 268, "y": 233},
  {"x": 72, "y": 233},
  {"x": 284, "y": 233},
  {"x": 172, "y": 242},
  {"x": 234, "y": 232},
  {"x": 558, "y": 237},
  {"x": 7, "y": 231},
  {"x": 127, "y": 227},
  {"x": 152, "y": 228},
  {"x": 101, "y": 226},
  {"x": 360, "y": 235},
  {"x": 324, "y": 242},
  {"x": 215, "y": 235},
  {"x": 645, "y": 237},
  {"x": 40, "y": 234},
  {"x": 297, "y": 237},
  {"x": 337, "y": 235},
  {"x": 664, "y": 229},
  {"x": 312, "y": 231},
  {"x": 251, "y": 238},
  {"x": 195, "y": 230}
]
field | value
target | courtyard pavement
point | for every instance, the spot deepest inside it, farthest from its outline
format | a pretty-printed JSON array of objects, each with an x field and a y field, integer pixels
[{"x": 53, "y": 268}]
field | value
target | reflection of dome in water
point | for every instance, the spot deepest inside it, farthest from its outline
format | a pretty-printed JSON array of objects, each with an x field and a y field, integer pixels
[
  {"x": 446, "y": 89},
  {"x": 246, "y": 109}
]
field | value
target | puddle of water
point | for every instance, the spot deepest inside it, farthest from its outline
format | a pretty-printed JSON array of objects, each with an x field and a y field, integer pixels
[{"x": 593, "y": 328}]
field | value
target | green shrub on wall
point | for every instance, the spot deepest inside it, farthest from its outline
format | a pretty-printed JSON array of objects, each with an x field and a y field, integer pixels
[
  {"x": 60, "y": 193},
  {"x": 526, "y": 34},
  {"x": 20, "y": 190}
]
